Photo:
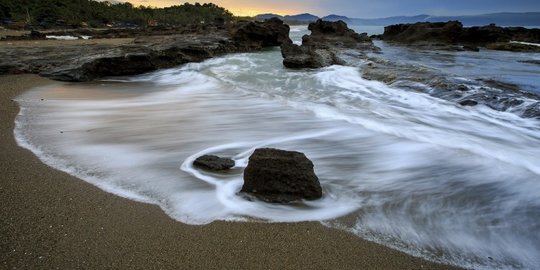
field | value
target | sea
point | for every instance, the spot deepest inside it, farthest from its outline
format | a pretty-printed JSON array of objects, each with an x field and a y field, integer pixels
[{"x": 401, "y": 167}]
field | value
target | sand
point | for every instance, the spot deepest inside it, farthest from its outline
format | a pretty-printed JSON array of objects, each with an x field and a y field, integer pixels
[{"x": 51, "y": 220}]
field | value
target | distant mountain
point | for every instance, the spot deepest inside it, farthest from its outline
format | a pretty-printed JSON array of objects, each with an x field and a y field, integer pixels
[
  {"x": 390, "y": 20},
  {"x": 267, "y": 16},
  {"x": 335, "y": 18},
  {"x": 304, "y": 17},
  {"x": 501, "y": 19}
]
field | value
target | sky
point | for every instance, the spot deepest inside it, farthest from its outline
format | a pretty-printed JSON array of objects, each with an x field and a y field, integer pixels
[{"x": 362, "y": 8}]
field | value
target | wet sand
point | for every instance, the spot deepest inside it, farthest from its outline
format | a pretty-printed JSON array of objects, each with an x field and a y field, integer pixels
[{"x": 51, "y": 220}]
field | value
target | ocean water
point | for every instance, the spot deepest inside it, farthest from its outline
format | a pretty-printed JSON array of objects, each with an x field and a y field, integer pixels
[{"x": 453, "y": 184}]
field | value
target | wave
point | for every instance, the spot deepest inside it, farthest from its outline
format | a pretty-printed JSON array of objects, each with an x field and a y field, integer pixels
[{"x": 449, "y": 183}]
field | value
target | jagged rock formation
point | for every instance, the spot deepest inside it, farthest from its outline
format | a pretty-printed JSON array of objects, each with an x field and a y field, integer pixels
[
  {"x": 323, "y": 46},
  {"x": 256, "y": 35},
  {"x": 453, "y": 33},
  {"x": 145, "y": 53}
]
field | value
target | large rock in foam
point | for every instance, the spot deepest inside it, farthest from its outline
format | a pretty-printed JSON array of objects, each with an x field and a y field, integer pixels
[{"x": 281, "y": 176}]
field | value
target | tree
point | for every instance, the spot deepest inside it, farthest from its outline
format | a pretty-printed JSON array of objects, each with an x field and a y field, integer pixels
[{"x": 97, "y": 13}]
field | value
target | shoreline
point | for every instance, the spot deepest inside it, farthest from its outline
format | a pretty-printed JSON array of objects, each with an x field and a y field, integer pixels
[{"x": 53, "y": 220}]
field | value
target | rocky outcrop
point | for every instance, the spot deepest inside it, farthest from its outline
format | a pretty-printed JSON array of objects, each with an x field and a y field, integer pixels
[
  {"x": 295, "y": 56},
  {"x": 96, "y": 59},
  {"x": 453, "y": 33},
  {"x": 255, "y": 35},
  {"x": 513, "y": 47},
  {"x": 143, "y": 55},
  {"x": 424, "y": 32},
  {"x": 324, "y": 45},
  {"x": 497, "y": 95},
  {"x": 213, "y": 163},
  {"x": 280, "y": 176}
]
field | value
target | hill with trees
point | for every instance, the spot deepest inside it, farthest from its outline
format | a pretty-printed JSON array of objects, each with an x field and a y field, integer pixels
[{"x": 96, "y": 14}]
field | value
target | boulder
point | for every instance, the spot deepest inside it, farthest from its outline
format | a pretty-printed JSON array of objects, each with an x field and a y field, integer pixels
[
  {"x": 322, "y": 47},
  {"x": 213, "y": 163},
  {"x": 256, "y": 35},
  {"x": 37, "y": 35},
  {"x": 295, "y": 56},
  {"x": 336, "y": 33},
  {"x": 280, "y": 176}
]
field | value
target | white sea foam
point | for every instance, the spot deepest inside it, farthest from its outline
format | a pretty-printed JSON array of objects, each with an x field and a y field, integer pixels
[
  {"x": 66, "y": 37},
  {"x": 525, "y": 43}
]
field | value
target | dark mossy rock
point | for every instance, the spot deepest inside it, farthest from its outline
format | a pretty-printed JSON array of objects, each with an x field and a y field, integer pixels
[
  {"x": 257, "y": 35},
  {"x": 468, "y": 102},
  {"x": 280, "y": 176},
  {"x": 213, "y": 163},
  {"x": 452, "y": 32}
]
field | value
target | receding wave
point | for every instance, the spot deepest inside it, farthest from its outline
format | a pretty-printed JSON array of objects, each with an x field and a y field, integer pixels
[{"x": 403, "y": 168}]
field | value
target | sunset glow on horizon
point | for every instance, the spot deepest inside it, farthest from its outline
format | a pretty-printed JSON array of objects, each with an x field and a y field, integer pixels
[
  {"x": 238, "y": 8},
  {"x": 354, "y": 8}
]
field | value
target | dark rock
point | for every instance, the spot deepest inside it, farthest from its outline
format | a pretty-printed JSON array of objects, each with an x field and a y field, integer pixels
[
  {"x": 510, "y": 87},
  {"x": 295, "y": 56},
  {"x": 462, "y": 87},
  {"x": 532, "y": 111},
  {"x": 322, "y": 47},
  {"x": 492, "y": 93},
  {"x": 471, "y": 48},
  {"x": 213, "y": 163},
  {"x": 256, "y": 35},
  {"x": 513, "y": 47},
  {"x": 281, "y": 176},
  {"x": 453, "y": 32},
  {"x": 423, "y": 32},
  {"x": 468, "y": 102},
  {"x": 337, "y": 29},
  {"x": 152, "y": 49},
  {"x": 534, "y": 62},
  {"x": 37, "y": 35}
]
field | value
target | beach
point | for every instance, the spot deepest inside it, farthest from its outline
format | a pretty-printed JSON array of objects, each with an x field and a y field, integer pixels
[{"x": 51, "y": 220}]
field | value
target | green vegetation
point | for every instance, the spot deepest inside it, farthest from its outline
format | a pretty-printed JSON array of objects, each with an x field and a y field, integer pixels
[{"x": 96, "y": 14}]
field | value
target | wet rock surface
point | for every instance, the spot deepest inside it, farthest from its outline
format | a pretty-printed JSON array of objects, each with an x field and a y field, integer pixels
[
  {"x": 280, "y": 176},
  {"x": 533, "y": 62},
  {"x": 256, "y": 35},
  {"x": 324, "y": 45},
  {"x": 146, "y": 53},
  {"x": 513, "y": 47},
  {"x": 497, "y": 95},
  {"x": 213, "y": 163},
  {"x": 443, "y": 35}
]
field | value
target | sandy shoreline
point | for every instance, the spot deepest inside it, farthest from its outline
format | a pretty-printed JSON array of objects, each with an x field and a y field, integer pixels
[{"x": 50, "y": 219}]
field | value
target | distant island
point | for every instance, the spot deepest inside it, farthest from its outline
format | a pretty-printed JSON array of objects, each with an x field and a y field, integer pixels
[{"x": 503, "y": 19}]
